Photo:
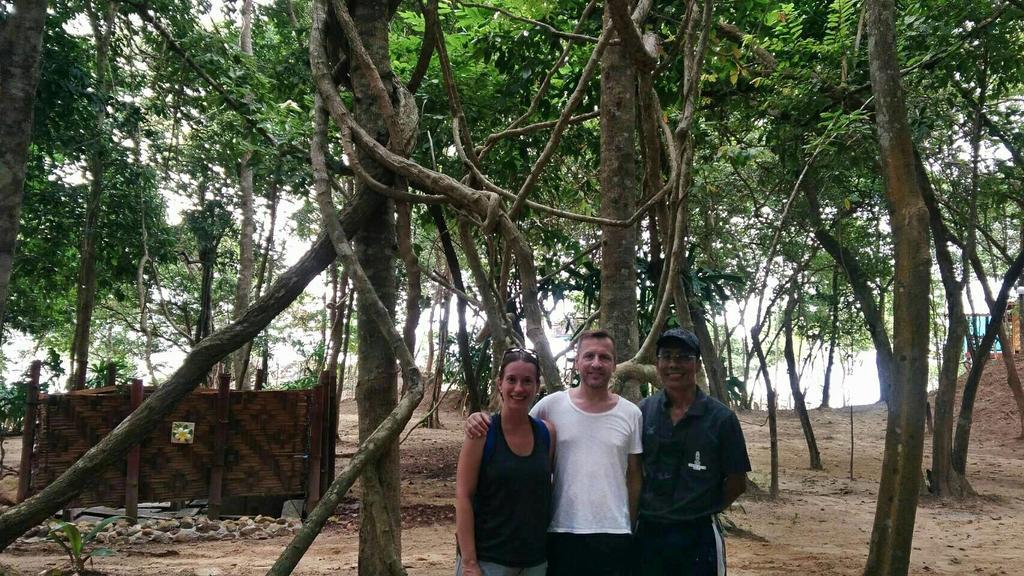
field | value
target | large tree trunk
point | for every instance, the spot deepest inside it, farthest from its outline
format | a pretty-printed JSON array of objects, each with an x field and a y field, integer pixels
[
  {"x": 945, "y": 481},
  {"x": 246, "y": 251},
  {"x": 16, "y": 520},
  {"x": 21, "y": 38},
  {"x": 377, "y": 389},
  {"x": 899, "y": 488},
  {"x": 794, "y": 386},
  {"x": 102, "y": 29},
  {"x": 618, "y": 197}
]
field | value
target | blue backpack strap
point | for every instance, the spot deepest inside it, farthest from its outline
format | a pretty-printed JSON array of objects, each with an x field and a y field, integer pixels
[
  {"x": 544, "y": 435},
  {"x": 492, "y": 436}
]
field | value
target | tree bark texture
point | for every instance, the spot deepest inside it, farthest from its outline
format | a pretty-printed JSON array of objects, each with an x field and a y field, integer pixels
[
  {"x": 618, "y": 196},
  {"x": 246, "y": 250},
  {"x": 945, "y": 481},
  {"x": 21, "y": 38},
  {"x": 899, "y": 488},
  {"x": 18, "y": 519},
  {"x": 794, "y": 386},
  {"x": 375, "y": 246}
]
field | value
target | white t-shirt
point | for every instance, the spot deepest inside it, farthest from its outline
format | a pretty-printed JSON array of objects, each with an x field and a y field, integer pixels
[{"x": 591, "y": 455}]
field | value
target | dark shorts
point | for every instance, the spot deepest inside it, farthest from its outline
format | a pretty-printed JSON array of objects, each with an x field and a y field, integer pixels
[
  {"x": 588, "y": 554},
  {"x": 680, "y": 549}
]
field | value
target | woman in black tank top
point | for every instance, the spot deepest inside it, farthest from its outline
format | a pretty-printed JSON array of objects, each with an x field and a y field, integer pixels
[{"x": 503, "y": 484}]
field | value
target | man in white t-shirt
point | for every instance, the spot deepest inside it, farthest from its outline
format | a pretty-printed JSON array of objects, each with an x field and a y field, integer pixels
[{"x": 597, "y": 475}]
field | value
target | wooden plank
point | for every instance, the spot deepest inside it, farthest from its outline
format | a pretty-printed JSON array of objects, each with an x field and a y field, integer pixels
[
  {"x": 131, "y": 486},
  {"x": 28, "y": 436},
  {"x": 219, "y": 447}
]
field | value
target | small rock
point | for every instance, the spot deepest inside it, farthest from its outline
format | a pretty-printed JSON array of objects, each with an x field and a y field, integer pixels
[
  {"x": 261, "y": 519},
  {"x": 229, "y": 525},
  {"x": 280, "y": 521},
  {"x": 249, "y": 530},
  {"x": 278, "y": 530},
  {"x": 184, "y": 536},
  {"x": 166, "y": 525},
  {"x": 137, "y": 539},
  {"x": 161, "y": 538},
  {"x": 132, "y": 531},
  {"x": 148, "y": 532},
  {"x": 186, "y": 523}
]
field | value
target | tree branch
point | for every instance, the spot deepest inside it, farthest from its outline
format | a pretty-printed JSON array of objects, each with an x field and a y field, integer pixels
[{"x": 543, "y": 25}]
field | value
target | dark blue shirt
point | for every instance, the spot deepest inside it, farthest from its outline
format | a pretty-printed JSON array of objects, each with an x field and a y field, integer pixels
[
  {"x": 512, "y": 504},
  {"x": 685, "y": 464}
]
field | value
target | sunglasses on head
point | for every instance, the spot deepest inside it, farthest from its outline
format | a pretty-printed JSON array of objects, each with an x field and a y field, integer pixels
[{"x": 530, "y": 354}]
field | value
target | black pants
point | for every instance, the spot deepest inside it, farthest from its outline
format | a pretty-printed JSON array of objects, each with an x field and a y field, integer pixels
[
  {"x": 694, "y": 548},
  {"x": 588, "y": 554}
]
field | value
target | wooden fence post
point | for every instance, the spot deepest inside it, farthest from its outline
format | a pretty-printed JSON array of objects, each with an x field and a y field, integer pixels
[
  {"x": 131, "y": 485},
  {"x": 220, "y": 440},
  {"x": 28, "y": 431},
  {"x": 261, "y": 376},
  {"x": 316, "y": 430}
]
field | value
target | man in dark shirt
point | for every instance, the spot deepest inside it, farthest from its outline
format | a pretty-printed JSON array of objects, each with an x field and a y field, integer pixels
[{"x": 694, "y": 462}]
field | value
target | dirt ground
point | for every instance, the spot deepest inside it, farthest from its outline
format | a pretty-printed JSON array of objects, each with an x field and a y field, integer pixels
[{"x": 820, "y": 525}]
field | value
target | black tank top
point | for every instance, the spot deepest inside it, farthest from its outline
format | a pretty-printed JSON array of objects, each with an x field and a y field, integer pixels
[{"x": 512, "y": 505}]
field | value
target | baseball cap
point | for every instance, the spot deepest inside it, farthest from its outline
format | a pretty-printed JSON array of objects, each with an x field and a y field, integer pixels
[{"x": 680, "y": 337}]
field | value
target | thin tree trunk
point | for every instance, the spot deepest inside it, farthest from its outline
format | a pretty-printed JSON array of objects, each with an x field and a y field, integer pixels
[
  {"x": 246, "y": 248},
  {"x": 773, "y": 420},
  {"x": 102, "y": 29},
  {"x": 794, "y": 386},
  {"x": 413, "y": 289},
  {"x": 434, "y": 418},
  {"x": 21, "y": 38},
  {"x": 465, "y": 356},
  {"x": 863, "y": 292},
  {"x": 1007, "y": 355},
  {"x": 962, "y": 441},
  {"x": 945, "y": 481},
  {"x": 618, "y": 196},
  {"x": 899, "y": 488},
  {"x": 833, "y": 336}
]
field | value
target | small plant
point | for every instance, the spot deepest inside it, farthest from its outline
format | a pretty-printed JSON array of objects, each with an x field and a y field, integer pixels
[{"x": 70, "y": 538}]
